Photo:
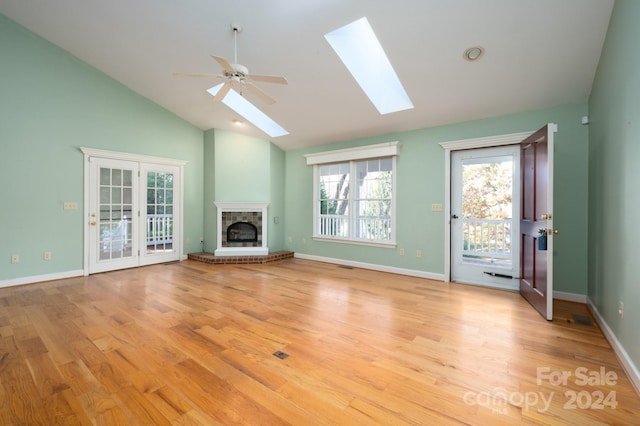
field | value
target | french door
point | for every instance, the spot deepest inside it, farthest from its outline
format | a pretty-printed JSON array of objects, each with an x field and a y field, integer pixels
[
  {"x": 133, "y": 214},
  {"x": 485, "y": 212}
]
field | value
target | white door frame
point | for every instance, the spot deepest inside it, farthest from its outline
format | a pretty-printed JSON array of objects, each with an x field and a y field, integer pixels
[
  {"x": 475, "y": 273},
  {"x": 485, "y": 142},
  {"x": 113, "y": 155}
]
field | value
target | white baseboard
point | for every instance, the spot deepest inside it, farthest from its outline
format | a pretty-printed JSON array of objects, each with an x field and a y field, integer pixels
[
  {"x": 570, "y": 297},
  {"x": 374, "y": 267},
  {"x": 39, "y": 278},
  {"x": 627, "y": 363}
]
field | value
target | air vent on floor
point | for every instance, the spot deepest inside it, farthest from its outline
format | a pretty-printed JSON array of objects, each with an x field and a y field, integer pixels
[
  {"x": 345, "y": 267},
  {"x": 280, "y": 354},
  {"x": 582, "y": 320}
]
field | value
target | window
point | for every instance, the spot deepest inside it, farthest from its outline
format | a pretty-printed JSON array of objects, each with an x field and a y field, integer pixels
[{"x": 353, "y": 199}]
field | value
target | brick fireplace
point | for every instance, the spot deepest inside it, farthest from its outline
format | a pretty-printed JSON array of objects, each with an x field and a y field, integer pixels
[{"x": 242, "y": 229}]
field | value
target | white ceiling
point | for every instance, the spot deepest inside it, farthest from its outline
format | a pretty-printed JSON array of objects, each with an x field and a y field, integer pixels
[{"x": 539, "y": 54}]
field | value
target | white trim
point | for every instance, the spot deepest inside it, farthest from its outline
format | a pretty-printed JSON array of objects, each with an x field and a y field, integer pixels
[
  {"x": 371, "y": 266},
  {"x": 484, "y": 142},
  {"x": 357, "y": 242},
  {"x": 242, "y": 251},
  {"x": 222, "y": 207},
  {"x": 352, "y": 220},
  {"x": 627, "y": 363},
  {"x": 552, "y": 128},
  {"x": 40, "y": 278},
  {"x": 114, "y": 155},
  {"x": 386, "y": 149},
  {"x": 241, "y": 207},
  {"x": 90, "y": 153},
  {"x": 570, "y": 297}
]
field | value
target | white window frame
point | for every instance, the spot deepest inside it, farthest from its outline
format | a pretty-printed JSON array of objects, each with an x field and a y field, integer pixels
[{"x": 349, "y": 155}]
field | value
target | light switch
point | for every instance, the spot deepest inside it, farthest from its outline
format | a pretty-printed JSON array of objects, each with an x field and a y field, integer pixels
[
  {"x": 70, "y": 206},
  {"x": 436, "y": 207}
]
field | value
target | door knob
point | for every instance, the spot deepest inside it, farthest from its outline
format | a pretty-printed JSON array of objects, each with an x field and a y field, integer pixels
[
  {"x": 93, "y": 223},
  {"x": 556, "y": 232},
  {"x": 454, "y": 216}
]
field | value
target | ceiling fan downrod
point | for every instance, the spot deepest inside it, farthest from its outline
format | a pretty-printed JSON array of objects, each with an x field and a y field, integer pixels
[{"x": 236, "y": 28}]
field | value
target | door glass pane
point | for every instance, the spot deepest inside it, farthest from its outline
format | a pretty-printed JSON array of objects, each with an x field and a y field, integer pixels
[
  {"x": 487, "y": 208},
  {"x": 115, "y": 220},
  {"x": 116, "y": 177},
  {"x": 159, "y": 224},
  {"x": 126, "y": 179},
  {"x": 116, "y": 195},
  {"x": 105, "y": 177},
  {"x": 126, "y": 196}
]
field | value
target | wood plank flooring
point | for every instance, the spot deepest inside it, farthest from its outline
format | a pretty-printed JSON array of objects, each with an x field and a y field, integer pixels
[{"x": 190, "y": 343}]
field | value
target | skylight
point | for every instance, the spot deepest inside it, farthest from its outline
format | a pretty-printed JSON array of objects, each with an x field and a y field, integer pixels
[
  {"x": 359, "y": 49},
  {"x": 252, "y": 114}
]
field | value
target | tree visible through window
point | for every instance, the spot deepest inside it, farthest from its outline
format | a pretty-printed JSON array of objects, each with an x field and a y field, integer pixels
[{"x": 363, "y": 213}]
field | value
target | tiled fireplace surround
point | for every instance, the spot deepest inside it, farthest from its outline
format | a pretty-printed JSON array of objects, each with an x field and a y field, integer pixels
[{"x": 229, "y": 213}]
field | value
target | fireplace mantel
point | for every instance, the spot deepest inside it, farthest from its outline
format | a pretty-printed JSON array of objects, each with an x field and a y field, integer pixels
[{"x": 240, "y": 207}]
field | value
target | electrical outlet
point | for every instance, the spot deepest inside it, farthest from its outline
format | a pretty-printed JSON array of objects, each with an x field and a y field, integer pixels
[
  {"x": 289, "y": 240},
  {"x": 187, "y": 241},
  {"x": 46, "y": 255},
  {"x": 70, "y": 206},
  {"x": 304, "y": 241},
  {"x": 621, "y": 309},
  {"x": 401, "y": 252},
  {"x": 15, "y": 259},
  {"x": 419, "y": 253}
]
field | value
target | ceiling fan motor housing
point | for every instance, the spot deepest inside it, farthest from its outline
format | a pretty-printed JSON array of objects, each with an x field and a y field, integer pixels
[{"x": 240, "y": 71}]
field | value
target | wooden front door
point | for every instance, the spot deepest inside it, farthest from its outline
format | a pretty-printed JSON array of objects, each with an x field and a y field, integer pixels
[{"x": 536, "y": 224}]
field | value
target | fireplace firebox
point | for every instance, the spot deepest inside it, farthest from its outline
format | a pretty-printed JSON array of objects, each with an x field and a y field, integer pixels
[{"x": 242, "y": 232}]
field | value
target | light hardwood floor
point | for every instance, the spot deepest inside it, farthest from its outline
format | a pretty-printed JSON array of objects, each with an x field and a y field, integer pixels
[{"x": 189, "y": 343}]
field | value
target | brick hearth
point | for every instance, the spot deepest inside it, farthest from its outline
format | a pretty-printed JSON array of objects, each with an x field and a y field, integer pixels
[{"x": 213, "y": 259}]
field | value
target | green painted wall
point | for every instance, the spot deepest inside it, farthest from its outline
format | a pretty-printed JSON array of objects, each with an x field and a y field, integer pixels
[
  {"x": 241, "y": 168},
  {"x": 277, "y": 218},
  {"x": 420, "y": 182},
  {"x": 210, "y": 217},
  {"x": 614, "y": 175},
  {"x": 50, "y": 105}
]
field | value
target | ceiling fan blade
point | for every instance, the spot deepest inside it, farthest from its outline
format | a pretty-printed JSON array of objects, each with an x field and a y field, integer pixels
[
  {"x": 196, "y": 74},
  {"x": 222, "y": 92},
  {"x": 259, "y": 93},
  {"x": 224, "y": 63},
  {"x": 268, "y": 78}
]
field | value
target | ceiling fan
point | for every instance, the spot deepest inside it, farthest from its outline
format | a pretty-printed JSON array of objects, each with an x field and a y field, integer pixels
[{"x": 238, "y": 75}]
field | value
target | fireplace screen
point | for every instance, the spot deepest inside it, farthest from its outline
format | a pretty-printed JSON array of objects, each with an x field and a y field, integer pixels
[{"x": 242, "y": 232}]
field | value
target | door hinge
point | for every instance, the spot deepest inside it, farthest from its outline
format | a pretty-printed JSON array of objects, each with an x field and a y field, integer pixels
[{"x": 138, "y": 252}]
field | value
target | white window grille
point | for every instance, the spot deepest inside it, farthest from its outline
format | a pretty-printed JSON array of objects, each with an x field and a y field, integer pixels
[{"x": 354, "y": 200}]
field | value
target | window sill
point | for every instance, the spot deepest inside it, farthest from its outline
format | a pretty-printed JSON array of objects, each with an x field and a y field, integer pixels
[{"x": 356, "y": 242}]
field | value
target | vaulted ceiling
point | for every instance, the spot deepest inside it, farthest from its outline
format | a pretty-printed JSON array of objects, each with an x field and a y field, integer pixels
[{"x": 539, "y": 54}]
